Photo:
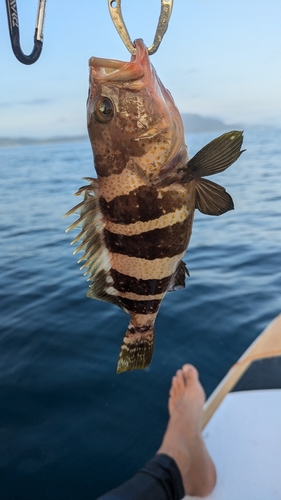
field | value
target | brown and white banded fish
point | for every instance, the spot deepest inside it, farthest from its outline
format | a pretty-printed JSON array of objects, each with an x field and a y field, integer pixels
[{"x": 137, "y": 216}]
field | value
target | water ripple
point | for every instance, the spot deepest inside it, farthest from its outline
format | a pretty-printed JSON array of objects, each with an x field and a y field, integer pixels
[{"x": 64, "y": 412}]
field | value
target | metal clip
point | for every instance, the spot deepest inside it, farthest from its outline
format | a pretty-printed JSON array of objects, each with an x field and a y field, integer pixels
[
  {"x": 117, "y": 18},
  {"x": 13, "y": 21}
]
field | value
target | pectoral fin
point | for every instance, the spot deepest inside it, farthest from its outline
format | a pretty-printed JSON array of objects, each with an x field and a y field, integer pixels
[
  {"x": 218, "y": 155},
  {"x": 212, "y": 199}
]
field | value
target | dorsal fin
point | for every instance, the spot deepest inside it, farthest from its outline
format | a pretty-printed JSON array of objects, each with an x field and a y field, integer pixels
[{"x": 96, "y": 254}]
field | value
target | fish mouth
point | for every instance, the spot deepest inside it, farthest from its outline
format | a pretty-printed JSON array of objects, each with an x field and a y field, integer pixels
[
  {"x": 115, "y": 71},
  {"x": 121, "y": 71}
]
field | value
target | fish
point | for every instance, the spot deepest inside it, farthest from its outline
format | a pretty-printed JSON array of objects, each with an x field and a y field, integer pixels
[{"x": 136, "y": 217}]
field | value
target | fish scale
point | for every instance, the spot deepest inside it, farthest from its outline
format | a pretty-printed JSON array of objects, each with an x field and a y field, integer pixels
[{"x": 136, "y": 217}]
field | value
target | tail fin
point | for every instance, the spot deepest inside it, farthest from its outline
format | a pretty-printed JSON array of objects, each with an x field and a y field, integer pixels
[{"x": 136, "y": 350}]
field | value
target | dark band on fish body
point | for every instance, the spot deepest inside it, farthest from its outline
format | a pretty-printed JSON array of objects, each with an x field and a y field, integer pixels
[
  {"x": 141, "y": 204},
  {"x": 141, "y": 306},
  {"x": 125, "y": 283},
  {"x": 139, "y": 329},
  {"x": 156, "y": 244}
]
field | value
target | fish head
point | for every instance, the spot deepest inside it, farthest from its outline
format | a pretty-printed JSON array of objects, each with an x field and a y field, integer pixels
[{"x": 132, "y": 117}]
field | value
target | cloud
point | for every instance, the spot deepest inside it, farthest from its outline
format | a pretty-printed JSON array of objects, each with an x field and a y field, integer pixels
[
  {"x": 36, "y": 102},
  {"x": 28, "y": 102}
]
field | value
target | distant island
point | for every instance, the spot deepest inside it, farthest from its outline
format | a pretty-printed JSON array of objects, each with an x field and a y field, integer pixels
[
  {"x": 30, "y": 141},
  {"x": 193, "y": 124}
]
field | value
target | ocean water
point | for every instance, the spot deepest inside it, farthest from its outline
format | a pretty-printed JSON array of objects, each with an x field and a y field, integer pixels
[{"x": 70, "y": 427}]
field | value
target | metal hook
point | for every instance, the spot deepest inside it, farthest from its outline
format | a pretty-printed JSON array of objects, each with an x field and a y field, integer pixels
[
  {"x": 117, "y": 18},
  {"x": 13, "y": 21}
]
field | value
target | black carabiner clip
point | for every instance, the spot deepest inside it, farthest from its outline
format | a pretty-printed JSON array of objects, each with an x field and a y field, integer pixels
[{"x": 13, "y": 21}]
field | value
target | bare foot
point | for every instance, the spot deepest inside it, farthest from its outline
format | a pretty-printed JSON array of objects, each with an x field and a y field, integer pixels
[{"x": 182, "y": 440}]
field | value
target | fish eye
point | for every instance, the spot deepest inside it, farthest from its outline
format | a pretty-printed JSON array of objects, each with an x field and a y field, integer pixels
[{"x": 103, "y": 110}]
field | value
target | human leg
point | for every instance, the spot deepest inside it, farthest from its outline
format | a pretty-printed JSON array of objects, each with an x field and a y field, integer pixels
[
  {"x": 182, "y": 464},
  {"x": 183, "y": 440},
  {"x": 159, "y": 479}
]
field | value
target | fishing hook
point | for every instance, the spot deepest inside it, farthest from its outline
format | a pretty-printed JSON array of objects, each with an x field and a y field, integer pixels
[
  {"x": 117, "y": 18},
  {"x": 13, "y": 21}
]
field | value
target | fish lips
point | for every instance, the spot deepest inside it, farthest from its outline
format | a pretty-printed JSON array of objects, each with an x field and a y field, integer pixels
[{"x": 138, "y": 71}]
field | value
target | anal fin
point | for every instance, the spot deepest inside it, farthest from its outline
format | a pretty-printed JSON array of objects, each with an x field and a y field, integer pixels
[
  {"x": 178, "y": 279},
  {"x": 212, "y": 199}
]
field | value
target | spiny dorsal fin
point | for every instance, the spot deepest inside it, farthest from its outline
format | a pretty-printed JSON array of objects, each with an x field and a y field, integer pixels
[
  {"x": 212, "y": 199},
  {"x": 96, "y": 255},
  {"x": 178, "y": 280},
  {"x": 216, "y": 156}
]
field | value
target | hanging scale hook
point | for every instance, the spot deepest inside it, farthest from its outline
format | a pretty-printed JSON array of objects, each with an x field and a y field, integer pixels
[{"x": 117, "y": 18}]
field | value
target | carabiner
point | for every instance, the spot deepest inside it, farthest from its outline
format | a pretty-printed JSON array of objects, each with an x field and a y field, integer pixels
[
  {"x": 117, "y": 18},
  {"x": 13, "y": 21}
]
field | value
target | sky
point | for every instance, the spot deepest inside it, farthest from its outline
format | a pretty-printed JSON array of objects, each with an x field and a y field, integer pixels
[{"x": 219, "y": 58}]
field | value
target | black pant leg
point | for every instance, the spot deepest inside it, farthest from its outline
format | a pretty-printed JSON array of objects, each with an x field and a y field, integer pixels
[{"x": 159, "y": 479}]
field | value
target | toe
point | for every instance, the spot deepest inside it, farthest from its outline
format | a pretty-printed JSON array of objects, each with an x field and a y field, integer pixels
[
  {"x": 177, "y": 384},
  {"x": 190, "y": 370}
]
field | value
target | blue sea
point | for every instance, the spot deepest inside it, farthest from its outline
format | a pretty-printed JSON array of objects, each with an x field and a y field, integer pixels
[{"x": 70, "y": 427}]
